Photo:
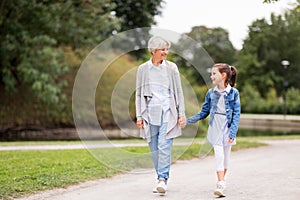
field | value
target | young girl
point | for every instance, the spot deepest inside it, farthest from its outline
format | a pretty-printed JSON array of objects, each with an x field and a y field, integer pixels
[{"x": 222, "y": 103}]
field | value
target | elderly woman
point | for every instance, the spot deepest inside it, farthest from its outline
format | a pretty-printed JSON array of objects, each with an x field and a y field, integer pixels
[{"x": 159, "y": 107}]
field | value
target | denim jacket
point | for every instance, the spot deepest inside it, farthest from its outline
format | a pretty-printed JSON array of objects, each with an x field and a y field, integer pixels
[{"x": 232, "y": 106}]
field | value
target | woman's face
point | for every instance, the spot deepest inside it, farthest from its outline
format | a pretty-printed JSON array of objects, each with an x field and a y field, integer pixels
[{"x": 161, "y": 54}]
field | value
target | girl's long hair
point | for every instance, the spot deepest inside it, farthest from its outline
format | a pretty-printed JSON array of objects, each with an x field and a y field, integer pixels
[{"x": 231, "y": 73}]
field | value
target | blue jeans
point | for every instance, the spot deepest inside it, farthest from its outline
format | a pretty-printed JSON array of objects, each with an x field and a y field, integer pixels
[{"x": 161, "y": 149}]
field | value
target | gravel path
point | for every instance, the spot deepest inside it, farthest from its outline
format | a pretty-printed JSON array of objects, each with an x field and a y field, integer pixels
[{"x": 265, "y": 173}]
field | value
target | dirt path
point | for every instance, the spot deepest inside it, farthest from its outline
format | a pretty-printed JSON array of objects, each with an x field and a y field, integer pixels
[{"x": 265, "y": 173}]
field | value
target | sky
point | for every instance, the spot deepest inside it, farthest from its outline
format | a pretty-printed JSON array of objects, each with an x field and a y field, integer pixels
[{"x": 233, "y": 15}]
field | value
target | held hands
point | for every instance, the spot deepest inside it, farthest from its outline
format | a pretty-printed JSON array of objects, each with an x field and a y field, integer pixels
[
  {"x": 230, "y": 140},
  {"x": 140, "y": 124},
  {"x": 181, "y": 122}
]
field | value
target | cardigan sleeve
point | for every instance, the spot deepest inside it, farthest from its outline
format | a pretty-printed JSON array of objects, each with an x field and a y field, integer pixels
[
  {"x": 138, "y": 92},
  {"x": 179, "y": 91}
]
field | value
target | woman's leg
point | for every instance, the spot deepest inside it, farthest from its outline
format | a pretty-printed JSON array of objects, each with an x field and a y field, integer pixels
[
  {"x": 164, "y": 154},
  {"x": 154, "y": 130}
]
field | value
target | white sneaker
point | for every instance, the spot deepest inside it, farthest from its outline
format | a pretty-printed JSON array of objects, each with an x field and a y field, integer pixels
[
  {"x": 219, "y": 191},
  {"x": 155, "y": 190},
  {"x": 161, "y": 188}
]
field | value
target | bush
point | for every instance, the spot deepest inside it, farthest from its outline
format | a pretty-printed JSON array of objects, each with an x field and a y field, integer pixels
[{"x": 252, "y": 102}]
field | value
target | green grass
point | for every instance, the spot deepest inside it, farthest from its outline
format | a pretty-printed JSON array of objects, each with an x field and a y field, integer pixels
[{"x": 26, "y": 172}]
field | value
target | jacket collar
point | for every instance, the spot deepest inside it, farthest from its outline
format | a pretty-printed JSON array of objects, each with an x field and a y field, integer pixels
[{"x": 227, "y": 89}]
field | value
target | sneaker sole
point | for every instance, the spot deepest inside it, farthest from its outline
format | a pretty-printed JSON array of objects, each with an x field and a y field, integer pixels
[
  {"x": 162, "y": 193},
  {"x": 161, "y": 190},
  {"x": 218, "y": 193}
]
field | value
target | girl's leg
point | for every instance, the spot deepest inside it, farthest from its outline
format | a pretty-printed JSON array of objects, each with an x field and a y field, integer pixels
[
  {"x": 227, "y": 151},
  {"x": 219, "y": 157}
]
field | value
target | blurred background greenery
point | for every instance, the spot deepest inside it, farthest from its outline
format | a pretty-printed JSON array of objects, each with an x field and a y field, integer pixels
[{"x": 42, "y": 44}]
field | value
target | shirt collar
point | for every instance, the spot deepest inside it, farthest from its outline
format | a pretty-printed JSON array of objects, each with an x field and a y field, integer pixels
[{"x": 151, "y": 64}]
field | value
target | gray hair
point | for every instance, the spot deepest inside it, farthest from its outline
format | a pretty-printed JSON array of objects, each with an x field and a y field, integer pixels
[{"x": 157, "y": 42}]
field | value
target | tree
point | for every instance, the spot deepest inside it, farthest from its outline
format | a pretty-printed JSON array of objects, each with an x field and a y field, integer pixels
[
  {"x": 210, "y": 45},
  {"x": 33, "y": 35},
  {"x": 42, "y": 44},
  {"x": 136, "y": 14},
  {"x": 216, "y": 42},
  {"x": 267, "y": 44}
]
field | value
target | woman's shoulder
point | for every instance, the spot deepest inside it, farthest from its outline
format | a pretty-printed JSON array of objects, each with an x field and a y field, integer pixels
[
  {"x": 171, "y": 64},
  {"x": 142, "y": 66}
]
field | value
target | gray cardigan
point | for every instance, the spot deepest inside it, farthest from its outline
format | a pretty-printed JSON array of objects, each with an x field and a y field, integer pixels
[{"x": 143, "y": 96}]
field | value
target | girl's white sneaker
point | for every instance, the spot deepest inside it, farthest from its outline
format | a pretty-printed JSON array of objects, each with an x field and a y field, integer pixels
[{"x": 219, "y": 191}]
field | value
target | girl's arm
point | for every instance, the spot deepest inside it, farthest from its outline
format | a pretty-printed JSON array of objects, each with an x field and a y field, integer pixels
[
  {"x": 203, "y": 113},
  {"x": 235, "y": 116}
]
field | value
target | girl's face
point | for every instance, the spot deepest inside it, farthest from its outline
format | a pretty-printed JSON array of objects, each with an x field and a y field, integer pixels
[
  {"x": 216, "y": 77},
  {"x": 161, "y": 54}
]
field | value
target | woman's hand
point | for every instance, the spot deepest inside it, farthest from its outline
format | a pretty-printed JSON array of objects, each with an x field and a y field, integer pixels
[
  {"x": 140, "y": 124},
  {"x": 230, "y": 140},
  {"x": 181, "y": 122}
]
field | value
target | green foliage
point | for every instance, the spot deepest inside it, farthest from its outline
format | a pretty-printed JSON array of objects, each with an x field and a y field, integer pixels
[
  {"x": 137, "y": 13},
  {"x": 267, "y": 44},
  {"x": 41, "y": 46},
  {"x": 32, "y": 34},
  {"x": 107, "y": 85},
  {"x": 207, "y": 46},
  {"x": 250, "y": 99},
  {"x": 253, "y": 102},
  {"x": 216, "y": 42},
  {"x": 293, "y": 100}
]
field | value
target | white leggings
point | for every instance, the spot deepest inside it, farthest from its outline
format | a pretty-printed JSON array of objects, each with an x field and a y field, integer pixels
[{"x": 222, "y": 155}]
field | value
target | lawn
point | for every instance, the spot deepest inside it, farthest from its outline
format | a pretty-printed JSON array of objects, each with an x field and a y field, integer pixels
[{"x": 26, "y": 172}]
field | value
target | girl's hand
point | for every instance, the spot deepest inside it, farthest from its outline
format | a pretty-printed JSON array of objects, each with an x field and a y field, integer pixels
[
  {"x": 140, "y": 124},
  {"x": 181, "y": 122},
  {"x": 230, "y": 140}
]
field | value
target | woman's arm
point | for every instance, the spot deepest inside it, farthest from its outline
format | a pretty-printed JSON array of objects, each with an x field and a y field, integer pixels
[
  {"x": 181, "y": 109},
  {"x": 138, "y": 90}
]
